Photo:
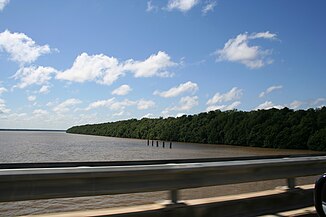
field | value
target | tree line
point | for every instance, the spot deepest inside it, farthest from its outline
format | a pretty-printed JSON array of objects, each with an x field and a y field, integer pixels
[{"x": 273, "y": 128}]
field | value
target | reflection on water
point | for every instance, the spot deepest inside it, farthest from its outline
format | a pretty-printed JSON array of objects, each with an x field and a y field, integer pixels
[{"x": 55, "y": 146}]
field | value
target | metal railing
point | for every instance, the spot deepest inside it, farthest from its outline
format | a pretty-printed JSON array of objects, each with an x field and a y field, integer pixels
[{"x": 77, "y": 180}]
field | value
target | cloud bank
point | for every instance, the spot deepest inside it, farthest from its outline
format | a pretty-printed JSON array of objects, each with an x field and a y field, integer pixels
[{"x": 106, "y": 70}]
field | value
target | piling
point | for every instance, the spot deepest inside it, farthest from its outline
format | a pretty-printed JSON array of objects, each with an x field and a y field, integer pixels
[
  {"x": 147, "y": 142},
  {"x": 170, "y": 144},
  {"x": 163, "y": 144},
  {"x": 152, "y": 142},
  {"x": 156, "y": 143}
]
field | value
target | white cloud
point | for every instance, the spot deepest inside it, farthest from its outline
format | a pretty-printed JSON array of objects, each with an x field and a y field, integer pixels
[
  {"x": 209, "y": 7},
  {"x": 148, "y": 115},
  {"x": 119, "y": 113},
  {"x": 99, "y": 68},
  {"x": 53, "y": 102},
  {"x": 155, "y": 65},
  {"x": 31, "y": 98},
  {"x": 105, "y": 70},
  {"x": 100, "y": 103},
  {"x": 223, "y": 107},
  {"x": 318, "y": 101},
  {"x": 121, "y": 105},
  {"x": 17, "y": 116},
  {"x": 266, "y": 35},
  {"x": 233, "y": 94},
  {"x": 311, "y": 103},
  {"x": 270, "y": 89},
  {"x": 3, "y": 107},
  {"x": 112, "y": 104},
  {"x": 180, "y": 115},
  {"x": 3, "y": 4},
  {"x": 181, "y": 5},
  {"x": 145, "y": 104},
  {"x": 13, "y": 117},
  {"x": 176, "y": 91},
  {"x": 295, "y": 104},
  {"x": 65, "y": 106},
  {"x": 44, "y": 89},
  {"x": 186, "y": 103},
  {"x": 122, "y": 90},
  {"x": 40, "y": 112},
  {"x": 33, "y": 75},
  {"x": 268, "y": 105},
  {"x": 166, "y": 113},
  {"x": 2, "y": 90},
  {"x": 40, "y": 118},
  {"x": 151, "y": 7},
  {"x": 238, "y": 50},
  {"x": 21, "y": 48}
]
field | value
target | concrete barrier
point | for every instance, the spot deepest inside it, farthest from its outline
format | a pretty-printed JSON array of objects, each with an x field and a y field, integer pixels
[
  {"x": 78, "y": 180},
  {"x": 59, "y": 182},
  {"x": 251, "y": 204}
]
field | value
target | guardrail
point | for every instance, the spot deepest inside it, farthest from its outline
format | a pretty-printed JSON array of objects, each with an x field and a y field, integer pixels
[{"x": 32, "y": 183}]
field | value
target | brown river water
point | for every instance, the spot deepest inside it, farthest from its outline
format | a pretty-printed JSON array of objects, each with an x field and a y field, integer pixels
[{"x": 19, "y": 147}]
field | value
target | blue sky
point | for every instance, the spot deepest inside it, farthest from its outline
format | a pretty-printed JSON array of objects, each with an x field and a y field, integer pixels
[{"x": 64, "y": 63}]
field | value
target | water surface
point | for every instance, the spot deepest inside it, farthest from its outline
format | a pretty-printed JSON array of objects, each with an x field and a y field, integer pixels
[{"x": 19, "y": 147}]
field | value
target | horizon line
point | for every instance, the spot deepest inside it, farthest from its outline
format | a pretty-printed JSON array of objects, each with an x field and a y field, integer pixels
[{"x": 30, "y": 129}]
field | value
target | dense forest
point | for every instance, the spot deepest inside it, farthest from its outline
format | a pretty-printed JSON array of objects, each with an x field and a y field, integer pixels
[{"x": 274, "y": 128}]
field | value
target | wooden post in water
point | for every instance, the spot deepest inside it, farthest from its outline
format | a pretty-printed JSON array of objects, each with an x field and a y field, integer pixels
[
  {"x": 163, "y": 144},
  {"x": 152, "y": 142},
  {"x": 170, "y": 145},
  {"x": 156, "y": 143},
  {"x": 147, "y": 142}
]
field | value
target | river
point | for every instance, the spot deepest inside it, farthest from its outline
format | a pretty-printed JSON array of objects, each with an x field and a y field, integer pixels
[{"x": 29, "y": 146}]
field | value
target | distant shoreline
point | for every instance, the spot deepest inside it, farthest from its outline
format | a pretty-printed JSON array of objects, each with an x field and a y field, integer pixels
[
  {"x": 30, "y": 130},
  {"x": 273, "y": 128}
]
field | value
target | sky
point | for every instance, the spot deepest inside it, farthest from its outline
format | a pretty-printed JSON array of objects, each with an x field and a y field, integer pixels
[{"x": 65, "y": 63}]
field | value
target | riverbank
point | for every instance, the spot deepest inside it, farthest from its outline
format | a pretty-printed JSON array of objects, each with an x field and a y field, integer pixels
[{"x": 279, "y": 129}]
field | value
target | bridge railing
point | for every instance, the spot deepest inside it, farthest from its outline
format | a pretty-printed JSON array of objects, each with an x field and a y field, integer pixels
[{"x": 32, "y": 183}]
